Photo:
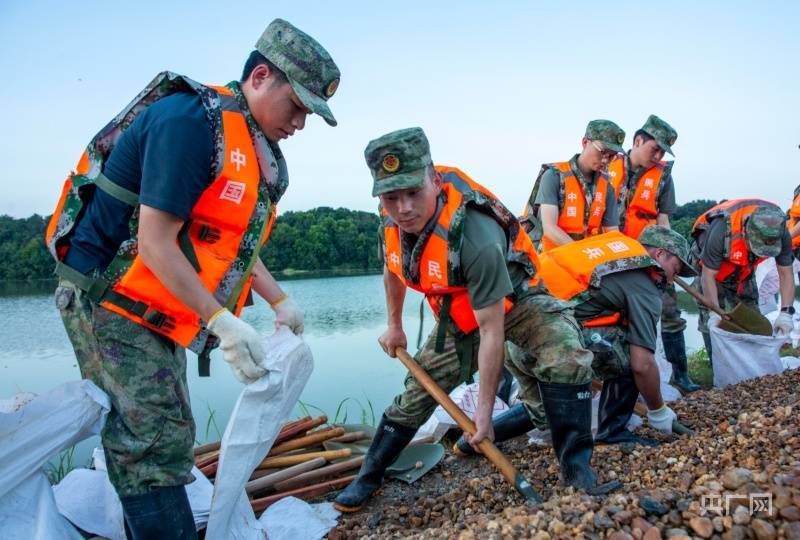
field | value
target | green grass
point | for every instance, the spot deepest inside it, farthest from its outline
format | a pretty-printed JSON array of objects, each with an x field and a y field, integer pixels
[
  {"x": 366, "y": 414},
  {"x": 700, "y": 369},
  {"x": 56, "y": 471},
  {"x": 788, "y": 350}
]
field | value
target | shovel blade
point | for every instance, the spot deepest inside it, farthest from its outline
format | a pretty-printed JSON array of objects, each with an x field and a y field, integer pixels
[{"x": 746, "y": 320}]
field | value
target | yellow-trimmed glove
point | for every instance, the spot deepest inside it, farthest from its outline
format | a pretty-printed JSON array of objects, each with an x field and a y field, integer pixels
[
  {"x": 288, "y": 314},
  {"x": 662, "y": 418},
  {"x": 240, "y": 344}
]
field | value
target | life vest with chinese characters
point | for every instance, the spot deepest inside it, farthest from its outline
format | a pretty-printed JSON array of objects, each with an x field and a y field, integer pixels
[
  {"x": 225, "y": 230},
  {"x": 578, "y": 216},
  {"x": 570, "y": 271},
  {"x": 433, "y": 265},
  {"x": 738, "y": 258},
  {"x": 639, "y": 208},
  {"x": 794, "y": 217}
]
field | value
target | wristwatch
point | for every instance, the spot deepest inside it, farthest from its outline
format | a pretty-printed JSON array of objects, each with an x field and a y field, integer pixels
[{"x": 788, "y": 309}]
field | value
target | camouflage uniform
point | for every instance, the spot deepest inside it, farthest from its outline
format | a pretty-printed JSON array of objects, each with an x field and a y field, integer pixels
[
  {"x": 543, "y": 327},
  {"x": 149, "y": 433}
]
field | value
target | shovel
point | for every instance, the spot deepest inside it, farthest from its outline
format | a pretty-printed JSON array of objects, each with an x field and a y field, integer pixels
[
  {"x": 488, "y": 448},
  {"x": 741, "y": 320}
]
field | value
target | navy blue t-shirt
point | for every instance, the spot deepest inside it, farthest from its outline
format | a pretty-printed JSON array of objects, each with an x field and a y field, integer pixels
[{"x": 165, "y": 156}]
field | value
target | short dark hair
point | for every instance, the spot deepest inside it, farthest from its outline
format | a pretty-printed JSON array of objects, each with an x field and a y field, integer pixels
[
  {"x": 644, "y": 135},
  {"x": 256, "y": 59}
]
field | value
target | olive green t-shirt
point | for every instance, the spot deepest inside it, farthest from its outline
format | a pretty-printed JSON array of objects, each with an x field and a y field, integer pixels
[
  {"x": 633, "y": 294},
  {"x": 489, "y": 277},
  {"x": 550, "y": 188},
  {"x": 713, "y": 245}
]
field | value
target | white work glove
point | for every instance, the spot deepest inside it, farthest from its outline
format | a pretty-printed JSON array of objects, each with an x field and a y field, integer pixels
[
  {"x": 240, "y": 344},
  {"x": 661, "y": 419},
  {"x": 783, "y": 325},
  {"x": 288, "y": 314}
]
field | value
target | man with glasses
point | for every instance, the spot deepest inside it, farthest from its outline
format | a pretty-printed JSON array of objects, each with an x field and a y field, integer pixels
[
  {"x": 646, "y": 196},
  {"x": 574, "y": 199}
]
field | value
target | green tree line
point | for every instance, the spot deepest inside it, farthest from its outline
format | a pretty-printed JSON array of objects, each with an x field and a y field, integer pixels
[{"x": 321, "y": 239}]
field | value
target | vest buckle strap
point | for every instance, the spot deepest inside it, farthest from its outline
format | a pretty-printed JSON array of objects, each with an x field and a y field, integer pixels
[
  {"x": 160, "y": 320},
  {"x": 208, "y": 234}
]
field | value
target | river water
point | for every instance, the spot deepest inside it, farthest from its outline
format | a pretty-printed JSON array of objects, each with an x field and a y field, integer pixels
[{"x": 343, "y": 318}]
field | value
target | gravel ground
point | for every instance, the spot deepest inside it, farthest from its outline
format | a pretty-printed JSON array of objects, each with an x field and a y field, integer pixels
[{"x": 746, "y": 441}]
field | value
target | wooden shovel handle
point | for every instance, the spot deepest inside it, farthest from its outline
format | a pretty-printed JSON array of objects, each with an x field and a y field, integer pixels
[{"x": 488, "y": 448}]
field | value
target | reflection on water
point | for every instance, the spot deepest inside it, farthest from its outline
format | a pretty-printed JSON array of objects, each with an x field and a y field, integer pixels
[{"x": 344, "y": 317}]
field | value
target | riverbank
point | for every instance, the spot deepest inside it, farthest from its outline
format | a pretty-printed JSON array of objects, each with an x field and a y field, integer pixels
[{"x": 746, "y": 442}]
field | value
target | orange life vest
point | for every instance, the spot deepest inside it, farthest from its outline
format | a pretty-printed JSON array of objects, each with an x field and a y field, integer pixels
[
  {"x": 738, "y": 257},
  {"x": 639, "y": 209},
  {"x": 438, "y": 274},
  {"x": 570, "y": 271},
  {"x": 578, "y": 216},
  {"x": 794, "y": 217},
  {"x": 226, "y": 228}
]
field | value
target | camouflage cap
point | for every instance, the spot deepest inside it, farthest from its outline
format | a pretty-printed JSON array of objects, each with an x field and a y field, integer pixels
[
  {"x": 764, "y": 231},
  {"x": 672, "y": 241},
  {"x": 308, "y": 66},
  {"x": 664, "y": 134},
  {"x": 398, "y": 160},
  {"x": 606, "y": 132}
]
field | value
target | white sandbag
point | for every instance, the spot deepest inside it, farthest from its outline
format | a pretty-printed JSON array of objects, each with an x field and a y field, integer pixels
[
  {"x": 292, "y": 519},
  {"x": 87, "y": 498},
  {"x": 29, "y": 511},
  {"x": 466, "y": 397},
  {"x": 738, "y": 357},
  {"x": 32, "y": 431},
  {"x": 261, "y": 409}
]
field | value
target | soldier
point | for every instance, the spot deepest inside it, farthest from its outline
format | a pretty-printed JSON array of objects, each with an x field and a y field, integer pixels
[
  {"x": 646, "y": 196},
  {"x": 617, "y": 284},
  {"x": 450, "y": 238},
  {"x": 156, "y": 238},
  {"x": 573, "y": 199},
  {"x": 794, "y": 221},
  {"x": 730, "y": 240}
]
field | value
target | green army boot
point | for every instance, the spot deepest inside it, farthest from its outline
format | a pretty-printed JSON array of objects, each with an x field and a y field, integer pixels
[{"x": 675, "y": 351}]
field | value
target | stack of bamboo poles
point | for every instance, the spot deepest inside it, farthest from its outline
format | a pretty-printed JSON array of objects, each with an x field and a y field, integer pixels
[{"x": 297, "y": 465}]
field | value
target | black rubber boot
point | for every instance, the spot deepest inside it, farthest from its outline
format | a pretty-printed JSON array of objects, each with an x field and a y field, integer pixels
[
  {"x": 617, "y": 400},
  {"x": 507, "y": 425},
  {"x": 675, "y": 351},
  {"x": 707, "y": 343},
  {"x": 390, "y": 439},
  {"x": 162, "y": 513},
  {"x": 504, "y": 388},
  {"x": 569, "y": 412}
]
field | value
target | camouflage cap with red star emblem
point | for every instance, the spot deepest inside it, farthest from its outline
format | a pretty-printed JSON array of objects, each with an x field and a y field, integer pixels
[
  {"x": 310, "y": 69},
  {"x": 398, "y": 160},
  {"x": 606, "y": 132}
]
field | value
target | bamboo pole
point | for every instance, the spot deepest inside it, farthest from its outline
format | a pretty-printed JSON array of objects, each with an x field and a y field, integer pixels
[
  {"x": 299, "y": 429},
  {"x": 350, "y": 436},
  {"x": 270, "y": 479},
  {"x": 318, "y": 474},
  {"x": 259, "y": 505},
  {"x": 283, "y": 461},
  {"x": 312, "y": 439}
]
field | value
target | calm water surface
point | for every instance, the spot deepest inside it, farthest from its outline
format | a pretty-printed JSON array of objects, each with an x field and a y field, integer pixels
[{"x": 343, "y": 319}]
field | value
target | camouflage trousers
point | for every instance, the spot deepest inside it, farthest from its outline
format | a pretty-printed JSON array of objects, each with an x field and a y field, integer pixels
[
  {"x": 727, "y": 296},
  {"x": 149, "y": 433},
  {"x": 541, "y": 326},
  {"x": 671, "y": 320},
  {"x": 606, "y": 364}
]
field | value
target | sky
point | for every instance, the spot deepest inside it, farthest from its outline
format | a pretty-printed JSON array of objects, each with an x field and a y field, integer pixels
[{"x": 498, "y": 87}]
